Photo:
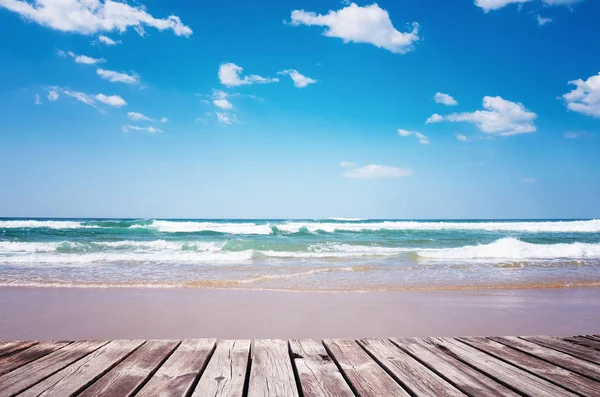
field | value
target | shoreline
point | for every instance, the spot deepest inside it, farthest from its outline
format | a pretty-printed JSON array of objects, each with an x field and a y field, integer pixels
[{"x": 129, "y": 313}]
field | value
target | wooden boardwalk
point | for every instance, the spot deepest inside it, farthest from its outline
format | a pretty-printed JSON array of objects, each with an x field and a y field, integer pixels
[{"x": 493, "y": 366}]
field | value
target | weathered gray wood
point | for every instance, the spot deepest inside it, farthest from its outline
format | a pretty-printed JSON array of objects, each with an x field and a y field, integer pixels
[
  {"x": 177, "y": 376},
  {"x": 567, "y": 379},
  {"x": 566, "y": 347},
  {"x": 225, "y": 373},
  {"x": 553, "y": 356},
  {"x": 593, "y": 337},
  {"x": 465, "y": 378},
  {"x": 410, "y": 373},
  {"x": 580, "y": 340},
  {"x": 14, "y": 361},
  {"x": 34, "y": 372},
  {"x": 366, "y": 377},
  {"x": 77, "y": 376},
  {"x": 271, "y": 372},
  {"x": 514, "y": 377},
  {"x": 318, "y": 375},
  {"x": 14, "y": 347},
  {"x": 127, "y": 377}
]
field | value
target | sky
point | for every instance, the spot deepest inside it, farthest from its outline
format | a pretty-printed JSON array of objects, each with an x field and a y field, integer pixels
[{"x": 300, "y": 109}]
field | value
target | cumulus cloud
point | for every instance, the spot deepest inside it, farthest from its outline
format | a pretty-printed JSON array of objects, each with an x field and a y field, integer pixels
[
  {"x": 92, "y": 16},
  {"x": 225, "y": 118},
  {"x": 444, "y": 99},
  {"x": 107, "y": 40},
  {"x": 112, "y": 100},
  {"x": 347, "y": 164},
  {"x": 164, "y": 120},
  {"x": 461, "y": 137},
  {"x": 585, "y": 98},
  {"x": 370, "y": 24},
  {"x": 88, "y": 99},
  {"x": 500, "y": 117},
  {"x": 118, "y": 77},
  {"x": 138, "y": 116},
  {"x": 375, "y": 171},
  {"x": 150, "y": 129},
  {"x": 423, "y": 140},
  {"x": 81, "y": 58},
  {"x": 434, "y": 118},
  {"x": 543, "y": 21},
  {"x": 230, "y": 76},
  {"x": 52, "y": 95},
  {"x": 300, "y": 81}
]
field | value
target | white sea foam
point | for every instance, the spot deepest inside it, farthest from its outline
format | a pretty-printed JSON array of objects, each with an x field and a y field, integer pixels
[
  {"x": 514, "y": 249},
  {"x": 155, "y": 245},
  {"x": 33, "y": 224},
  {"x": 190, "y": 227}
]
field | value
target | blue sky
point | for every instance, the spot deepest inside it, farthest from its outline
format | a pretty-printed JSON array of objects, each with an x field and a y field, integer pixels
[{"x": 300, "y": 109}]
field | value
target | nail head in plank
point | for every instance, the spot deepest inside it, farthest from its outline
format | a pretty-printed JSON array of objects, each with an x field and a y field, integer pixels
[
  {"x": 465, "y": 378},
  {"x": 177, "y": 376},
  {"x": 14, "y": 361},
  {"x": 80, "y": 374},
  {"x": 271, "y": 372},
  {"x": 226, "y": 371},
  {"x": 38, "y": 370},
  {"x": 366, "y": 377},
  {"x": 127, "y": 377},
  {"x": 317, "y": 373},
  {"x": 566, "y": 347}
]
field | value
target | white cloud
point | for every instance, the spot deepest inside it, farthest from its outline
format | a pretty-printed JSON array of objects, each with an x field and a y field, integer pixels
[
  {"x": 81, "y": 97},
  {"x": 92, "y": 16},
  {"x": 435, "y": 118},
  {"x": 369, "y": 24},
  {"x": 461, "y": 137},
  {"x": 529, "y": 180},
  {"x": 38, "y": 99},
  {"x": 112, "y": 100},
  {"x": 224, "y": 118},
  {"x": 499, "y": 117},
  {"x": 300, "y": 81},
  {"x": 560, "y": 2},
  {"x": 543, "y": 21},
  {"x": 490, "y": 5},
  {"x": 223, "y": 104},
  {"x": 108, "y": 41},
  {"x": 138, "y": 116},
  {"x": 81, "y": 58},
  {"x": 164, "y": 120},
  {"x": 347, "y": 164},
  {"x": 152, "y": 130},
  {"x": 88, "y": 99},
  {"x": 444, "y": 99},
  {"x": 117, "y": 77},
  {"x": 423, "y": 140},
  {"x": 585, "y": 98},
  {"x": 52, "y": 95},
  {"x": 229, "y": 74},
  {"x": 375, "y": 171}
]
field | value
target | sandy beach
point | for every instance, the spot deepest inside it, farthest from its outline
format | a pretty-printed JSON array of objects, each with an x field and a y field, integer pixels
[{"x": 77, "y": 313}]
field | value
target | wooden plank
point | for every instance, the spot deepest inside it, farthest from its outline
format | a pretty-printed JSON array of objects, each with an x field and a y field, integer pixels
[
  {"x": 580, "y": 340},
  {"x": 410, "y": 373},
  {"x": 14, "y": 361},
  {"x": 178, "y": 375},
  {"x": 566, "y": 347},
  {"x": 365, "y": 376},
  {"x": 225, "y": 374},
  {"x": 464, "y": 377},
  {"x": 34, "y": 372},
  {"x": 593, "y": 337},
  {"x": 553, "y": 356},
  {"x": 77, "y": 376},
  {"x": 318, "y": 375},
  {"x": 127, "y": 377},
  {"x": 560, "y": 376},
  {"x": 14, "y": 347},
  {"x": 509, "y": 375},
  {"x": 271, "y": 372}
]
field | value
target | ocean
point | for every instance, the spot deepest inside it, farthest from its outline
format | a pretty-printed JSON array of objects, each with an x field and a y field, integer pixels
[{"x": 300, "y": 255}]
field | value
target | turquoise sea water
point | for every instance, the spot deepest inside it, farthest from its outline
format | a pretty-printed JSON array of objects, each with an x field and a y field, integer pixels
[{"x": 326, "y": 254}]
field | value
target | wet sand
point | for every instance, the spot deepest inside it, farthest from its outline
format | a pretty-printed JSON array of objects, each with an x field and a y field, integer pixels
[{"x": 65, "y": 313}]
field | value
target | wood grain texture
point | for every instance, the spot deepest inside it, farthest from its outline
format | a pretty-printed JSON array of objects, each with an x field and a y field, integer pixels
[
  {"x": 410, "y": 373},
  {"x": 38, "y": 370},
  {"x": 566, "y": 347},
  {"x": 13, "y": 361},
  {"x": 226, "y": 371},
  {"x": 516, "y": 378},
  {"x": 567, "y": 379},
  {"x": 13, "y": 347},
  {"x": 580, "y": 340},
  {"x": 464, "y": 377},
  {"x": 271, "y": 372},
  {"x": 367, "y": 378},
  {"x": 317, "y": 373},
  {"x": 178, "y": 375},
  {"x": 129, "y": 375},
  {"x": 75, "y": 377},
  {"x": 555, "y": 357}
]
